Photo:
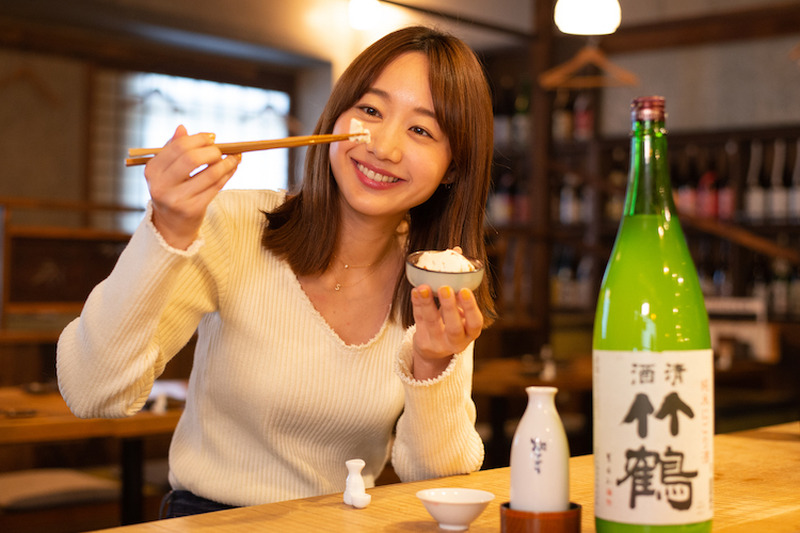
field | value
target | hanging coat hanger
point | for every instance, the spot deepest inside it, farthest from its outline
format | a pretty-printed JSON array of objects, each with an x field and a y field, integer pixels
[
  {"x": 567, "y": 75},
  {"x": 30, "y": 76}
]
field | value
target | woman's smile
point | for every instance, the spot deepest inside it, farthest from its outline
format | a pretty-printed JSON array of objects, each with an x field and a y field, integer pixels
[{"x": 374, "y": 177}]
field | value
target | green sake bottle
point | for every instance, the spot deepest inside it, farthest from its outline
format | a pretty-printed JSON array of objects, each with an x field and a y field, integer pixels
[{"x": 653, "y": 374}]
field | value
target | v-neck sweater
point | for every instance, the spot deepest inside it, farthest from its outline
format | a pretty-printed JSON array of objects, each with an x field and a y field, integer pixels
[{"x": 276, "y": 401}]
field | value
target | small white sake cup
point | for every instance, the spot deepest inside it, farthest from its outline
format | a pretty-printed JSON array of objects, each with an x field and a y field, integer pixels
[{"x": 455, "y": 508}]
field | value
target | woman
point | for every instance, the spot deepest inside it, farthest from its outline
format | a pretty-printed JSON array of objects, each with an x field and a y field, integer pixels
[{"x": 312, "y": 348}]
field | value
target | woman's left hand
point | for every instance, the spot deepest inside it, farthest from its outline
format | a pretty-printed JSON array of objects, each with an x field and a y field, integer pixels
[{"x": 442, "y": 330}]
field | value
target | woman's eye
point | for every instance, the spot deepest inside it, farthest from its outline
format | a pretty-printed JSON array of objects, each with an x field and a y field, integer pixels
[
  {"x": 368, "y": 110},
  {"x": 421, "y": 131}
]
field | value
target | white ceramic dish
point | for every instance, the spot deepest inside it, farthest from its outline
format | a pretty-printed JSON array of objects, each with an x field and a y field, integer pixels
[
  {"x": 435, "y": 279},
  {"x": 455, "y": 508}
]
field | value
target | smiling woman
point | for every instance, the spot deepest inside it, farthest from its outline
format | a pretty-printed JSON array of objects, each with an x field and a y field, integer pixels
[{"x": 299, "y": 298}]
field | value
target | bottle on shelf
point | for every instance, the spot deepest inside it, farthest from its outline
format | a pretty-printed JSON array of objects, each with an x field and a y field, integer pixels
[
  {"x": 780, "y": 282},
  {"x": 653, "y": 391},
  {"x": 616, "y": 179},
  {"x": 707, "y": 199},
  {"x": 722, "y": 279},
  {"x": 779, "y": 288},
  {"x": 777, "y": 194},
  {"x": 500, "y": 206},
  {"x": 571, "y": 283},
  {"x": 705, "y": 267},
  {"x": 521, "y": 121},
  {"x": 686, "y": 192},
  {"x": 587, "y": 194},
  {"x": 521, "y": 208},
  {"x": 560, "y": 274},
  {"x": 562, "y": 117},
  {"x": 726, "y": 193},
  {"x": 754, "y": 194},
  {"x": 583, "y": 117},
  {"x": 569, "y": 207},
  {"x": 760, "y": 283},
  {"x": 564, "y": 284},
  {"x": 585, "y": 290}
]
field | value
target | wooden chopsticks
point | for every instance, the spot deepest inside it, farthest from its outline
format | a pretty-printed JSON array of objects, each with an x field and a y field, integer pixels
[{"x": 140, "y": 156}]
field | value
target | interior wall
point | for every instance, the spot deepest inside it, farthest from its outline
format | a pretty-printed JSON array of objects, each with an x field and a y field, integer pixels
[
  {"x": 727, "y": 86},
  {"x": 43, "y": 117},
  {"x": 731, "y": 85},
  {"x": 645, "y": 11}
]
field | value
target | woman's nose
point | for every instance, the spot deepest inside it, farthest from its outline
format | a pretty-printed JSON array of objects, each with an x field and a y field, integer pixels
[{"x": 385, "y": 143}]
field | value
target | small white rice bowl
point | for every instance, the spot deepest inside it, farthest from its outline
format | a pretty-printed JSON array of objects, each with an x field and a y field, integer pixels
[{"x": 435, "y": 279}]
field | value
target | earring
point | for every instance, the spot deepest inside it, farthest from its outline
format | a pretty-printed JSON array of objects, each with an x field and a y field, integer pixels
[{"x": 448, "y": 179}]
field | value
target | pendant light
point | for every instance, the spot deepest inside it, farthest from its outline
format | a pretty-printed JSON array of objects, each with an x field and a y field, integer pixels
[
  {"x": 588, "y": 17},
  {"x": 363, "y": 14}
]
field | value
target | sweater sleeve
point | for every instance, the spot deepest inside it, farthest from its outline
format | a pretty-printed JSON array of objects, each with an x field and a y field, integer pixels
[
  {"x": 137, "y": 319},
  {"x": 436, "y": 433}
]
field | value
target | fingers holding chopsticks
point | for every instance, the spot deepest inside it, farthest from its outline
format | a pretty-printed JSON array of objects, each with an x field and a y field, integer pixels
[{"x": 183, "y": 178}]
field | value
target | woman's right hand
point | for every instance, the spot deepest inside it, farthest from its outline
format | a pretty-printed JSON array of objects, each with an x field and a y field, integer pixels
[{"x": 180, "y": 196}]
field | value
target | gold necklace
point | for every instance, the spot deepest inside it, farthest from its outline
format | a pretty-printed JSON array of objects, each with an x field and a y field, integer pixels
[
  {"x": 347, "y": 266},
  {"x": 338, "y": 287}
]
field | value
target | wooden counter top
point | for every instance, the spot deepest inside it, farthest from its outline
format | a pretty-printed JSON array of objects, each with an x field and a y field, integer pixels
[
  {"x": 757, "y": 488},
  {"x": 50, "y": 420}
]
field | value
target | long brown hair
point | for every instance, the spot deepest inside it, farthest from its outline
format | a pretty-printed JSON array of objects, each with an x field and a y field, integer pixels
[{"x": 454, "y": 214}]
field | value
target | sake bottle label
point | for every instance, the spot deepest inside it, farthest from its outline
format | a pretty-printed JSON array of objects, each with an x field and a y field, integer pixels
[{"x": 653, "y": 436}]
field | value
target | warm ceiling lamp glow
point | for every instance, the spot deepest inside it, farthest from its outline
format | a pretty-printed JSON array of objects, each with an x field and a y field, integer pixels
[
  {"x": 588, "y": 17},
  {"x": 363, "y": 14}
]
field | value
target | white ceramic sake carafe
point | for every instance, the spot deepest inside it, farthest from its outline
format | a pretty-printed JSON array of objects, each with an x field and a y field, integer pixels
[
  {"x": 540, "y": 456},
  {"x": 355, "y": 492}
]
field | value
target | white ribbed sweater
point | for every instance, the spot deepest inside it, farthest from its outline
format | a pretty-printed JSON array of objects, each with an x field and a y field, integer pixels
[{"x": 277, "y": 402}]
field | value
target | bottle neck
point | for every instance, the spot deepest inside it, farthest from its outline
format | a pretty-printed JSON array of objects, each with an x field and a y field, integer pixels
[{"x": 649, "y": 191}]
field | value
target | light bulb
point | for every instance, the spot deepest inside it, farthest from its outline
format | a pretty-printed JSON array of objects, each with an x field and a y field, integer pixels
[
  {"x": 363, "y": 14},
  {"x": 588, "y": 17}
]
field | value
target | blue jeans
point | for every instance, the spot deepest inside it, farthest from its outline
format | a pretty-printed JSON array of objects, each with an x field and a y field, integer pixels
[{"x": 183, "y": 503}]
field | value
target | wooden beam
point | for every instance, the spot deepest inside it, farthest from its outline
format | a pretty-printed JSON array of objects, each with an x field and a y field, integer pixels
[
  {"x": 125, "y": 50},
  {"x": 736, "y": 25},
  {"x": 541, "y": 57},
  {"x": 462, "y": 19}
]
